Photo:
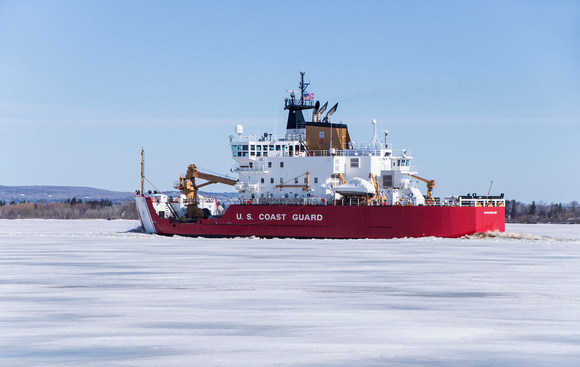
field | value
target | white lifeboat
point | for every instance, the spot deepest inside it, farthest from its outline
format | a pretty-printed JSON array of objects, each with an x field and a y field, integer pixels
[{"x": 356, "y": 187}]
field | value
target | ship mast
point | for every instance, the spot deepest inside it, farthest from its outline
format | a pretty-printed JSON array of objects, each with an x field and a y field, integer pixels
[
  {"x": 142, "y": 172},
  {"x": 295, "y": 116}
]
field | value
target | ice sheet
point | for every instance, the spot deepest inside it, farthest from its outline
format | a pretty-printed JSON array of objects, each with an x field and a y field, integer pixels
[{"x": 96, "y": 293}]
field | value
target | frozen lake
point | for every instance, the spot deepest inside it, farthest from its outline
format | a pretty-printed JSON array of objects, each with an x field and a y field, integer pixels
[{"x": 96, "y": 293}]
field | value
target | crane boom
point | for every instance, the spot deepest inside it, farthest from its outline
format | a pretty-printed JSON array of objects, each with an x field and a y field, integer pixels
[
  {"x": 430, "y": 185},
  {"x": 188, "y": 187}
]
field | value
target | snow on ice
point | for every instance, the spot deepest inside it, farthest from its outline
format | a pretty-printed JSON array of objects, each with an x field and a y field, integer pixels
[{"x": 98, "y": 293}]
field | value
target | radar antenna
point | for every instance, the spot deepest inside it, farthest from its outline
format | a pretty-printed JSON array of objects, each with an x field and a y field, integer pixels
[{"x": 375, "y": 142}]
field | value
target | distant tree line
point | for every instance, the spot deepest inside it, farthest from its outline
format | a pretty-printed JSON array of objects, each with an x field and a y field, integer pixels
[
  {"x": 70, "y": 209},
  {"x": 518, "y": 212}
]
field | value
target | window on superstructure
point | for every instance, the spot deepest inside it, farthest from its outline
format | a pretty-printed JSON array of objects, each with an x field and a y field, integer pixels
[
  {"x": 245, "y": 147},
  {"x": 252, "y": 153},
  {"x": 262, "y": 180},
  {"x": 271, "y": 147},
  {"x": 315, "y": 180},
  {"x": 305, "y": 180},
  {"x": 258, "y": 154},
  {"x": 408, "y": 163},
  {"x": 281, "y": 180},
  {"x": 296, "y": 180},
  {"x": 265, "y": 147},
  {"x": 251, "y": 164},
  {"x": 277, "y": 147},
  {"x": 398, "y": 163},
  {"x": 354, "y": 162},
  {"x": 252, "y": 147},
  {"x": 269, "y": 164},
  {"x": 271, "y": 180},
  {"x": 265, "y": 154},
  {"x": 281, "y": 164},
  {"x": 297, "y": 147}
]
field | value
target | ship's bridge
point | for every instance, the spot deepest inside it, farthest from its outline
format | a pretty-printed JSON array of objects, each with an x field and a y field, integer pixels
[{"x": 290, "y": 145}]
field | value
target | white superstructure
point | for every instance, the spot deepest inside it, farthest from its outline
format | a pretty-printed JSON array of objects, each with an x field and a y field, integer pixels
[
  {"x": 283, "y": 167},
  {"x": 313, "y": 159}
]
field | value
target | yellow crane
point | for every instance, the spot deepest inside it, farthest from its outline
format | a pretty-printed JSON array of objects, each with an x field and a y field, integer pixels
[
  {"x": 189, "y": 188},
  {"x": 430, "y": 185},
  {"x": 376, "y": 197}
]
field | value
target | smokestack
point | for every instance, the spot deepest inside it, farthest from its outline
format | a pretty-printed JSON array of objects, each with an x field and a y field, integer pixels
[
  {"x": 315, "y": 111},
  {"x": 320, "y": 112},
  {"x": 332, "y": 110}
]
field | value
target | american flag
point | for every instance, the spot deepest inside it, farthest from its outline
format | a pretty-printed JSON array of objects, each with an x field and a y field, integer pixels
[{"x": 308, "y": 96}]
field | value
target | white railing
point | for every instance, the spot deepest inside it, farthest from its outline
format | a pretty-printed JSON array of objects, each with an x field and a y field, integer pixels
[
  {"x": 238, "y": 168},
  {"x": 481, "y": 202},
  {"x": 283, "y": 201},
  {"x": 268, "y": 139}
]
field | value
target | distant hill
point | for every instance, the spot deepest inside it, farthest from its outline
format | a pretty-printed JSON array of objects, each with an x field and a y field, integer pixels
[{"x": 49, "y": 194}]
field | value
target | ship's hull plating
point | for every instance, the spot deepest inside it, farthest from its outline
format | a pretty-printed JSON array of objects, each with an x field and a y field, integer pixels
[{"x": 329, "y": 221}]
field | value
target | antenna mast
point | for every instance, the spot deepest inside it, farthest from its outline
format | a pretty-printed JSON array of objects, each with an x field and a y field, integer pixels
[{"x": 303, "y": 87}]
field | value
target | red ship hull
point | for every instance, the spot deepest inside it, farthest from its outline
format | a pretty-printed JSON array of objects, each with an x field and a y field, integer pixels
[{"x": 330, "y": 221}]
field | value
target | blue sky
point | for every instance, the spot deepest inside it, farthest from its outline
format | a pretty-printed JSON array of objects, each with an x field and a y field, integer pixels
[{"x": 478, "y": 90}]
